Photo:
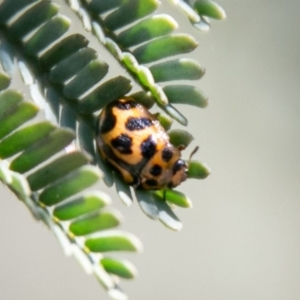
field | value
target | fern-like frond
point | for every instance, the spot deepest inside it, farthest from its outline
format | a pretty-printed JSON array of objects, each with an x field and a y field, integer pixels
[
  {"x": 49, "y": 164},
  {"x": 74, "y": 70},
  {"x": 42, "y": 162},
  {"x": 144, "y": 42}
]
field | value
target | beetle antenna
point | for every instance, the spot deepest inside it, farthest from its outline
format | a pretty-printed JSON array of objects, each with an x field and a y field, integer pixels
[{"x": 192, "y": 153}]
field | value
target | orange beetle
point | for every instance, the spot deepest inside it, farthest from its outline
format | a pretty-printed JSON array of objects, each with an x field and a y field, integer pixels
[{"x": 131, "y": 139}]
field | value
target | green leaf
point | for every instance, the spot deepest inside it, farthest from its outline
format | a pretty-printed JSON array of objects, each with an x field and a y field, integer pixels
[
  {"x": 23, "y": 138},
  {"x": 19, "y": 186},
  {"x": 72, "y": 184},
  {"x": 43, "y": 149},
  {"x": 72, "y": 65},
  {"x": 210, "y": 9},
  {"x": 180, "y": 138},
  {"x": 86, "y": 78},
  {"x": 119, "y": 267},
  {"x": 109, "y": 91},
  {"x": 68, "y": 118},
  {"x": 174, "y": 113},
  {"x": 86, "y": 136},
  {"x": 32, "y": 18},
  {"x": 62, "y": 50},
  {"x": 197, "y": 170},
  {"x": 91, "y": 201},
  {"x": 113, "y": 48},
  {"x": 113, "y": 240},
  {"x": 56, "y": 170},
  {"x": 143, "y": 98},
  {"x": 130, "y": 62},
  {"x": 47, "y": 34},
  {"x": 175, "y": 197},
  {"x": 100, "y": 221},
  {"x": 164, "y": 47},
  {"x": 177, "y": 69},
  {"x": 166, "y": 215},
  {"x": 145, "y": 77},
  {"x": 158, "y": 93},
  {"x": 9, "y": 8},
  {"x": 147, "y": 203},
  {"x": 16, "y": 116},
  {"x": 4, "y": 81},
  {"x": 8, "y": 101},
  {"x": 123, "y": 191},
  {"x": 130, "y": 12},
  {"x": 186, "y": 94},
  {"x": 155, "y": 26},
  {"x": 165, "y": 121},
  {"x": 108, "y": 176},
  {"x": 5, "y": 173},
  {"x": 102, "y": 6}
]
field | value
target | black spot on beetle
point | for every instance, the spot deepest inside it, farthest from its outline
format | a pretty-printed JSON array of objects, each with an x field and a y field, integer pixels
[
  {"x": 167, "y": 154},
  {"x": 126, "y": 105},
  {"x": 137, "y": 123},
  {"x": 148, "y": 148},
  {"x": 122, "y": 143},
  {"x": 110, "y": 156},
  {"x": 170, "y": 185},
  {"x": 136, "y": 180},
  {"x": 151, "y": 182},
  {"x": 109, "y": 121},
  {"x": 156, "y": 170},
  {"x": 178, "y": 165}
]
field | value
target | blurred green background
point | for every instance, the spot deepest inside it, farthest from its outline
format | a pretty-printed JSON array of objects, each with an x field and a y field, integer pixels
[{"x": 241, "y": 239}]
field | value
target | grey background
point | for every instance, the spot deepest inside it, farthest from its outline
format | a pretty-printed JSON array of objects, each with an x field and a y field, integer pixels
[{"x": 241, "y": 238}]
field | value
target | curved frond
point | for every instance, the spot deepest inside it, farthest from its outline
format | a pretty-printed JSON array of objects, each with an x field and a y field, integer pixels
[
  {"x": 42, "y": 161},
  {"x": 82, "y": 95},
  {"x": 50, "y": 164},
  {"x": 145, "y": 43},
  {"x": 81, "y": 79}
]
